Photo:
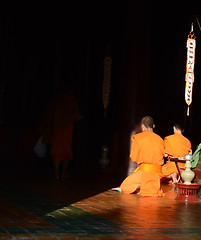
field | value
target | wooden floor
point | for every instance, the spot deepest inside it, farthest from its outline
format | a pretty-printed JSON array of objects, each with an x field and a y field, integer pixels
[{"x": 34, "y": 208}]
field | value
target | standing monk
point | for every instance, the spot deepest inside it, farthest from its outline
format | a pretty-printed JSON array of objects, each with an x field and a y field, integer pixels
[
  {"x": 176, "y": 145},
  {"x": 147, "y": 150},
  {"x": 57, "y": 128}
]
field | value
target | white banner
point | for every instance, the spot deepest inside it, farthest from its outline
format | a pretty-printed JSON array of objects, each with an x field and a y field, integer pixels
[
  {"x": 190, "y": 62},
  {"x": 190, "y": 55},
  {"x": 189, "y": 87}
]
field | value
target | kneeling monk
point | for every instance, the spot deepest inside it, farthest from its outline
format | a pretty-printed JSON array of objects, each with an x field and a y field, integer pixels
[
  {"x": 176, "y": 145},
  {"x": 148, "y": 151}
]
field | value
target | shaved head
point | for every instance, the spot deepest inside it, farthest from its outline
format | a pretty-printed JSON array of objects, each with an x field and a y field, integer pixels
[
  {"x": 178, "y": 128},
  {"x": 148, "y": 122}
]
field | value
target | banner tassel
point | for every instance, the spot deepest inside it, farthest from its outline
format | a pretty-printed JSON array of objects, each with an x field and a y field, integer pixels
[{"x": 188, "y": 111}]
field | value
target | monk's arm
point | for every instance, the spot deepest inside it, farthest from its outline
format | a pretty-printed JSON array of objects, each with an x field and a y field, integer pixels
[
  {"x": 135, "y": 151},
  {"x": 168, "y": 150}
]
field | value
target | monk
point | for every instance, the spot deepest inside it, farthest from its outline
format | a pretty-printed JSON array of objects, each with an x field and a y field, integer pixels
[
  {"x": 176, "y": 145},
  {"x": 148, "y": 151},
  {"x": 57, "y": 127}
]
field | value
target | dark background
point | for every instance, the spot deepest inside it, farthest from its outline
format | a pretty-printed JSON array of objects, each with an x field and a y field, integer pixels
[{"x": 46, "y": 49}]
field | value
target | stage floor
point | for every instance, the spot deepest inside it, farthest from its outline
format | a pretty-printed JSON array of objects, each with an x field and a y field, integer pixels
[{"x": 39, "y": 208}]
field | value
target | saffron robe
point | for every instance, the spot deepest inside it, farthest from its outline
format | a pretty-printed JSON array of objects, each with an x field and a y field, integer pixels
[
  {"x": 61, "y": 148},
  {"x": 176, "y": 145},
  {"x": 57, "y": 125},
  {"x": 147, "y": 150}
]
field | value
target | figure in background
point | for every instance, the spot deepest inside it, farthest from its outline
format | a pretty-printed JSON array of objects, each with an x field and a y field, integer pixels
[
  {"x": 176, "y": 145},
  {"x": 57, "y": 128},
  {"x": 148, "y": 151}
]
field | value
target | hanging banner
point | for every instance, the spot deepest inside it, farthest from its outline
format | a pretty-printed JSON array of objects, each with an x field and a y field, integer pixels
[{"x": 190, "y": 62}]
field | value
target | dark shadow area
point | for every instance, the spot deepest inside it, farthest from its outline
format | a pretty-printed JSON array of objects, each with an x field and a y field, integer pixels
[
  {"x": 41, "y": 196},
  {"x": 65, "y": 48}
]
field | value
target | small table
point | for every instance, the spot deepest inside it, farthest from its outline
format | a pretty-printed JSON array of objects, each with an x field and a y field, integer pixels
[
  {"x": 187, "y": 192},
  {"x": 176, "y": 160}
]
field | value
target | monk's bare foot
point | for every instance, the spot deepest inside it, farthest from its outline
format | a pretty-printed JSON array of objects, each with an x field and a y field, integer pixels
[{"x": 174, "y": 178}]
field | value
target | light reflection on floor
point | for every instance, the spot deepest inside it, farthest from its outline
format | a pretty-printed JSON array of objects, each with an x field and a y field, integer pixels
[{"x": 52, "y": 210}]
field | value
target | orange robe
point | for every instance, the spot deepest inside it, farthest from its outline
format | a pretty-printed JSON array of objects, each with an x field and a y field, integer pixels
[
  {"x": 147, "y": 150},
  {"x": 61, "y": 148},
  {"x": 57, "y": 125},
  {"x": 176, "y": 145}
]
